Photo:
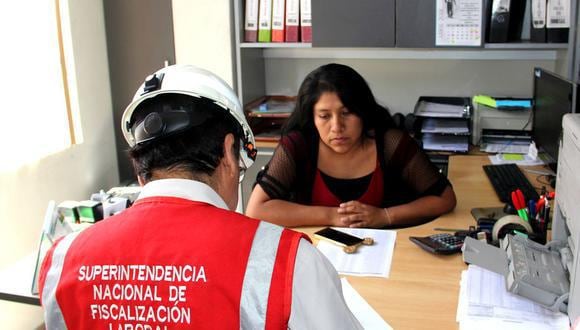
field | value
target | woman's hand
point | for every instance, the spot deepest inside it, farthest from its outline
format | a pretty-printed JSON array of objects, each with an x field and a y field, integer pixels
[{"x": 357, "y": 214}]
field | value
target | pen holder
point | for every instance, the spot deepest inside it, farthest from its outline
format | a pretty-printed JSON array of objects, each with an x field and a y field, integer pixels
[{"x": 540, "y": 231}]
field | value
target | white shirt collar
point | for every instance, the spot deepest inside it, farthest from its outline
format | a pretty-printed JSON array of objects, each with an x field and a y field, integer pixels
[{"x": 183, "y": 188}]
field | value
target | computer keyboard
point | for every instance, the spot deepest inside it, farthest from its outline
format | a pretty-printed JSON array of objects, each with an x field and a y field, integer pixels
[{"x": 506, "y": 178}]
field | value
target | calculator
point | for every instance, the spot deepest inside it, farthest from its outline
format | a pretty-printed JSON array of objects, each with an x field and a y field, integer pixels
[{"x": 439, "y": 243}]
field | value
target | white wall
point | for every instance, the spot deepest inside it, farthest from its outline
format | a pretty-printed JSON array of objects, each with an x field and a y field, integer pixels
[
  {"x": 203, "y": 35},
  {"x": 71, "y": 174},
  {"x": 398, "y": 83}
]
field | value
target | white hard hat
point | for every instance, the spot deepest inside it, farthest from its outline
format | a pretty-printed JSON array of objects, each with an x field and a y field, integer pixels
[{"x": 191, "y": 81}]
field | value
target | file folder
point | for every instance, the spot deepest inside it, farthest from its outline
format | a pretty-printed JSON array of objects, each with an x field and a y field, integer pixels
[
  {"x": 516, "y": 21},
  {"x": 538, "y": 29},
  {"x": 292, "y": 20},
  {"x": 499, "y": 21},
  {"x": 305, "y": 21},
  {"x": 558, "y": 20},
  {"x": 278, "y": 7},
  {"x": 251, "y": 21},
  {"x": 265, "y": 21}
]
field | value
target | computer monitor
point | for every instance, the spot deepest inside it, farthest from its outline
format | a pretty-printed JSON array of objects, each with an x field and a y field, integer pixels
[{"x": 554, "y": 96}]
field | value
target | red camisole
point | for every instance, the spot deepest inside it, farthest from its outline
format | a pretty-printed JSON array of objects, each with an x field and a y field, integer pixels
[{"x": 322, "y": 196}]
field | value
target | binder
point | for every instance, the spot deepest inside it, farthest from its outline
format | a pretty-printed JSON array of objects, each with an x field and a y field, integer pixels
[
  {"x": 516, "y": 21},
  {"x": 265, "y": 21},
  {"x": 558, "y": 20},
  {"x": 251, "y": 21},
  {"x": 499, "y": 21},
  {"x": 292, "y": 20},
  {"x": 278, "y": 7},
  {"x": 305, "y": 21},
  {"x": 538, "y": 29}
]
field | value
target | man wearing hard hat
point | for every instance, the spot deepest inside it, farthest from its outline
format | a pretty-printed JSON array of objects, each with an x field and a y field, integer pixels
[{"x": 180, "y": 258}]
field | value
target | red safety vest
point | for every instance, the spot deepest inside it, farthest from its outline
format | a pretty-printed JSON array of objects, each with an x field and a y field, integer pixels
[
  {"x": 322, "y": 196},
  {"x": 171, "y": 263}
]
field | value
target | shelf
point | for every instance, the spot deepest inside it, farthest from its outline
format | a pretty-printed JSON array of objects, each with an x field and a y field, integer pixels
[
  {"x": 415, "y": 54},
  {"x": 526, "y": 46},
  {"x": 503, "y": 46},
  {"x": 275, "y": 45}
]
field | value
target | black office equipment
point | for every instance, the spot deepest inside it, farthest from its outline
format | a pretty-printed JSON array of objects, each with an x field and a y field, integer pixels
[
  {"x": 444, "y": 123},
  {"x": 439, "y": 243},
  {"x": 554, "y": 96},
  {"x": 506, "y": 178}
]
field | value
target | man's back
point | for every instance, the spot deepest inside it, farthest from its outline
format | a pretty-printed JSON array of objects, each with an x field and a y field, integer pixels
[{"x": 174, "y": 262}]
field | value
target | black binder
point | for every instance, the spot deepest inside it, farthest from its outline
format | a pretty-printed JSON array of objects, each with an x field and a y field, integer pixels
[
  {"x": 538, "y": 28},
  {"x": 559, "y": 34},
  {"x": 516, "y": 21},
  {"x": 498, "y": 22},
  {"x": 506, "y": 20}
]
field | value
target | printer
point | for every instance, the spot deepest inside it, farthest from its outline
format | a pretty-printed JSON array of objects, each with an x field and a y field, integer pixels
[
  {"x": 547, "y": 274},
  {"x": 566, "y": 220},
  {"x": 493, "y": 121}
]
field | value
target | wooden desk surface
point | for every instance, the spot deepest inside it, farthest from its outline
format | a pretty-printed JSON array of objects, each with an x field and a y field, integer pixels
[{"x": 423, "y": 288}]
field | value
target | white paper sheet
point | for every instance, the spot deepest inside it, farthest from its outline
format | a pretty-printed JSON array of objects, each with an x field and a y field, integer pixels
[
  {"x": 433, "y": 109},
  {"x": 365, "y": 314},
  {"x": 507, "y": 148},
  {"x": 523, "y": 160},
  {"x": 484, "y": 303},
  {"x": 459, "y": 143},
  {"x": 439, "y": 125},
  {"x": 373, "y": 260}
]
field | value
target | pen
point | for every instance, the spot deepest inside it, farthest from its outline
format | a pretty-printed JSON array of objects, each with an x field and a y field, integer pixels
[
  {"x": 519, "y": 204},
  {"x": 532, "y": 208},
  {"x": 447, "y": 229},
  {"x": 522, "y": 202}
]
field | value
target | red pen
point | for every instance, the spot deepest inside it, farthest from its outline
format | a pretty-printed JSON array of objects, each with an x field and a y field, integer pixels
[{"x": 540, "y": 204}]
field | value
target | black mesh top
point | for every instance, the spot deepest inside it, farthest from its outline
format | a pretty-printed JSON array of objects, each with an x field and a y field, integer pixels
[{"x": 408, "y": 172}]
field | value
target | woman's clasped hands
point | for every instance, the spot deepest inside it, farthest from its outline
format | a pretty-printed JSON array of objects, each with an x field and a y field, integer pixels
[{"x": 356, "y": 214}]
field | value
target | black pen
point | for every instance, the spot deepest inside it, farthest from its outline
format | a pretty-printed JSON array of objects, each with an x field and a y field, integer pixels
[{"x": 447, "y": 229}]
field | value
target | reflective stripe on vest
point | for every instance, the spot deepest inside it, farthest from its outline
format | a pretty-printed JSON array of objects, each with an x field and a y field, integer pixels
[
  {"x": 52, "y": 312},
  {"x": 256, "y": 284}
]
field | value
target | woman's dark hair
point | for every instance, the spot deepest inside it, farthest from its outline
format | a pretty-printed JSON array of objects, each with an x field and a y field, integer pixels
[
  {"x": 353, "y": 91},
  {"x": 197, "y": 150}
]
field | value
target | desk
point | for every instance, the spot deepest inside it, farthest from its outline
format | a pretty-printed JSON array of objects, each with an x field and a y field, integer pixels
[
  {"x": 16, "y": 281},
  {"x": 422, "y": 290}
]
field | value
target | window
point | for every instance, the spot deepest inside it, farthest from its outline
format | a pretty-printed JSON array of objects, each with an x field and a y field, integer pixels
[{"x": 35, "y": 111}]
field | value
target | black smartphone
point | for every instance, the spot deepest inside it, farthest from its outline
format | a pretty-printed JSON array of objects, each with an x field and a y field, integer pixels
[{"x": 338, "y": 237}]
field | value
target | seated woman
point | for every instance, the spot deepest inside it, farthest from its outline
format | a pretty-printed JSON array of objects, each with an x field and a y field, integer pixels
[{"x": 341, "y": 162}]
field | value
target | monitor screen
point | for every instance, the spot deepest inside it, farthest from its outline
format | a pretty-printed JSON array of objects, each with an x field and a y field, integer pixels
[{"x": 554, "y": 97}]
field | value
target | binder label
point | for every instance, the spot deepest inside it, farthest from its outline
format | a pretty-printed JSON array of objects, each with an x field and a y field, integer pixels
[
  {"x": 539, "y": 14},
  {"x": 558, "y": 14}
]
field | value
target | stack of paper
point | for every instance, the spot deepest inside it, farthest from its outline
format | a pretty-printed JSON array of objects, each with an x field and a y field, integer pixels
[
  {"x": 456, "y": 143},
  {"x": 511, "y": 147},
  {"x": 432, "y": 109},
  {"x": 444, "y": 126},
  {"x": 484, "y": 303},
  {"x": 518, "y": 159}
]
